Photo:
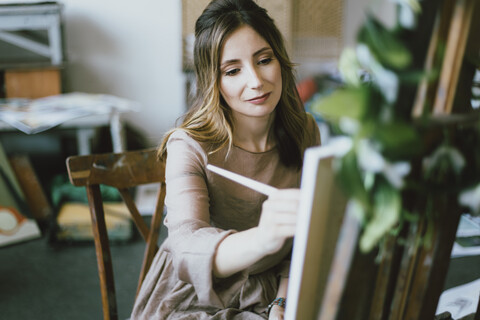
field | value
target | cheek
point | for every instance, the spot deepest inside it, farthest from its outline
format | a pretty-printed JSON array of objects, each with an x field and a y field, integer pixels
[
  {"x": 279, "y": 77},
  {"x": 280, "y": 81},
  {"x": 228, "y": 88},
  {"x": 275, "y": 76},
  {"x": 222, "y": 89}
]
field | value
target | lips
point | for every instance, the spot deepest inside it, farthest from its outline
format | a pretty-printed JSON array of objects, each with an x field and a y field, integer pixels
[{"x": 259, "y": 99}]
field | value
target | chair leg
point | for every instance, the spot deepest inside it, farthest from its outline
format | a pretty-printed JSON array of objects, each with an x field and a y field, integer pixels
[
  {"x": 152, "y": 247},
  {"x": 102, "y": 248}
]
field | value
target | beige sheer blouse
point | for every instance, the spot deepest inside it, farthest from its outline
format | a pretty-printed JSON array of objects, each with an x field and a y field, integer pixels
[{"x": 202, "y": 209}]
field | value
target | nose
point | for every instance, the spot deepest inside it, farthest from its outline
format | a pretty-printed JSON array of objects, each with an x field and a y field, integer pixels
[{"x": 255, "y": 80}]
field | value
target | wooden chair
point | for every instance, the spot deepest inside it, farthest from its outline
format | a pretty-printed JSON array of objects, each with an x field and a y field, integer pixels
[{"x": 123, "y": 171}]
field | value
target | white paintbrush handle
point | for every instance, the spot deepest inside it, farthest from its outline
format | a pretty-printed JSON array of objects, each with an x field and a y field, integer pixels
[{"x": 247, "y": 182}]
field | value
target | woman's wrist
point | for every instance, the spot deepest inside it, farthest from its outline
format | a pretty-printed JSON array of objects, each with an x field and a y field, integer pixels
[{"x": 281, "y": 302}]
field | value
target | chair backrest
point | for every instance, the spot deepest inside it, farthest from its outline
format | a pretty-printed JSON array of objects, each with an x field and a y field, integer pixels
[{"x": 123, "y": 171}]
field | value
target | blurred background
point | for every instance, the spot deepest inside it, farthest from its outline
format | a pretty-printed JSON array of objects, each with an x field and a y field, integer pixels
[
  {"x": 136, "y": 50},
  {"x": 130, "y": 61}
]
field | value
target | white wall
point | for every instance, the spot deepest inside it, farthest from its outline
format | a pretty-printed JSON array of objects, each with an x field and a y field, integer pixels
[
  {"x": 355, "y": 13},
  {"x": 353, "y": 16},
  {"x": 131, "y": 49}
]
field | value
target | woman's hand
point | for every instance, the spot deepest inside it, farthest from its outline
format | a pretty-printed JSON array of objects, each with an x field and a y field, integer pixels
[
  {"x": 276, "y": 313},
  {"x": 278, "y": 220},
  {"x": 277, "y": 223}
]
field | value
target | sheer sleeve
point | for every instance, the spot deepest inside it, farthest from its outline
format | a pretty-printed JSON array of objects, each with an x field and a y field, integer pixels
[{"x": 192, "y": 241}]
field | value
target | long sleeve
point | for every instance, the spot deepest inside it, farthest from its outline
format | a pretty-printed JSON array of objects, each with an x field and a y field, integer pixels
[
  {"x": 192, "y": 240},
  {"x": 202, "y": 210}
]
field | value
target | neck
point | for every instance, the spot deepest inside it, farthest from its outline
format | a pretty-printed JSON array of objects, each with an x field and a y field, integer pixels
[{"x": 254, "y": 135}]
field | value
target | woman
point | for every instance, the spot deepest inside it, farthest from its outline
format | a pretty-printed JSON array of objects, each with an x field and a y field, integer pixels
[{"x": 227, "y": 252}]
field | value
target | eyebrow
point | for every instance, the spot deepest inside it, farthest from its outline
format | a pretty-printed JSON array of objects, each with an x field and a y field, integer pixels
[{"x": 256, "y": 53}]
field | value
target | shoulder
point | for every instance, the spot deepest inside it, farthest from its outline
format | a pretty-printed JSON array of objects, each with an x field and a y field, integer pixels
[
  {"x": 181, "y": 145},
  {"x": 181, "y": 137}
]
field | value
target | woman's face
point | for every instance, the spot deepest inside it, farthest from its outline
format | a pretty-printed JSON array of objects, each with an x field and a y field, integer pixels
[{"x": 251, "y": 79}]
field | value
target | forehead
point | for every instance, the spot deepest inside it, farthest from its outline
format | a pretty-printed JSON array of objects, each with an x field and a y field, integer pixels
[{"x": 244, "y": 41}]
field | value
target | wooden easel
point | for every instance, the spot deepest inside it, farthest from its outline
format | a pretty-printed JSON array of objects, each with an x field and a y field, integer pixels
[{"x": 409, "y": 280}]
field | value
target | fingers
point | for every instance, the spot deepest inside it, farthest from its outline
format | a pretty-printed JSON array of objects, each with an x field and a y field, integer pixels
[
  {"x": 285, "y": 231},
  {"x": 281, "y": 206},
  {"x": 279, "y": 217},
  {"x": 280, "y": 209},
  {"x": 278, "y": 220},
  {"x": 288, "y": 194},
  {"x": 284, "y": 200}
]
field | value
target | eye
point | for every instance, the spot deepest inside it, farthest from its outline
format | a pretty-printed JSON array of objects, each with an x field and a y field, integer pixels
[
  {"x": 232, "y": 72},
  {"x": 265, "y": 61}
]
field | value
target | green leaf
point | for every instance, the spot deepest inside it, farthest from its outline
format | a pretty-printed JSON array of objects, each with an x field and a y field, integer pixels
[
  {"x": 349, "y": 66},
  {"x": 386, "y": 213},
  {"x": 388, "y": 49},
  {"x": 414, "y": 77},
  {"x": 347, "y": 102},
  {"x": 397, "y": 139},
  {"x": 352, "y": 181}
]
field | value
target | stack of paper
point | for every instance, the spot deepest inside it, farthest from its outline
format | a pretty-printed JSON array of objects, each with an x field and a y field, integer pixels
[{"x": 467, "y": 242}]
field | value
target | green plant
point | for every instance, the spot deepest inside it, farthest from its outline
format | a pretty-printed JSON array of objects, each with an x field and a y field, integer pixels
[{"x": 391, "y": 157}]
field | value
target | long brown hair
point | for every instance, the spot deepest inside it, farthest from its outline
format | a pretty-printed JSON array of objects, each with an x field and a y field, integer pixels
[{"x": 210, "y": 118}]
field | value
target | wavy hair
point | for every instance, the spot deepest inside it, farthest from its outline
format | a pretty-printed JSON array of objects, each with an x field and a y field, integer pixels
[{"x": 210, "y": 118}]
